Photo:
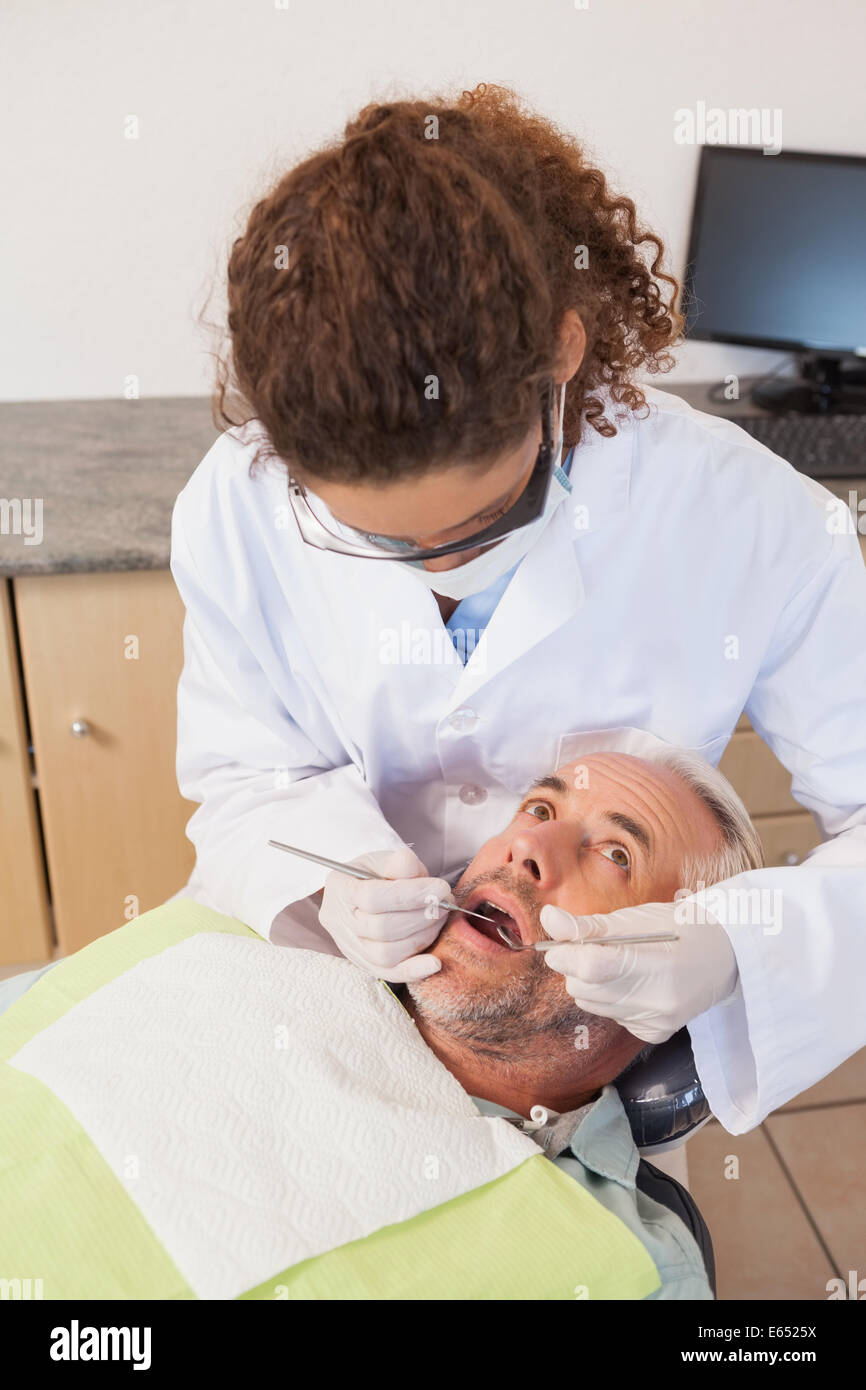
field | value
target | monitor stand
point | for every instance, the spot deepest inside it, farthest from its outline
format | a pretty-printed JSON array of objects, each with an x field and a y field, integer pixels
[{"x": 824, "y": 387}]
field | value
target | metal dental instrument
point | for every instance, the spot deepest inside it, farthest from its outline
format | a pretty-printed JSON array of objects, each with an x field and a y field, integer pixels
[
  {"x": 587, "y": 941},
  {"x": 355, "y": 872}
]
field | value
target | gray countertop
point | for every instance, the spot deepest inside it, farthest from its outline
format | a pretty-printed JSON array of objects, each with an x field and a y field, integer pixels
[{"x": 107, "y": 474}]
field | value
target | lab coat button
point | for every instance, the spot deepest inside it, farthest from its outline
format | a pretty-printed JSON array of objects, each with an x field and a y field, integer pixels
[
  {"x": 471, "y": 795},
  {"x": 463, "y": 720}
]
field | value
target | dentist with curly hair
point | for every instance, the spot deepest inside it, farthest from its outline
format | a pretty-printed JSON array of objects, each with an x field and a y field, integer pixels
[{"x": 447, "y": 540}]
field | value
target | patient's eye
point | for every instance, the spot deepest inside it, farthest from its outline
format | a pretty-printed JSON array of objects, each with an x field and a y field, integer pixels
[
  {"x": 618, "y": 856},
  {"x": 542, "y": 805}
]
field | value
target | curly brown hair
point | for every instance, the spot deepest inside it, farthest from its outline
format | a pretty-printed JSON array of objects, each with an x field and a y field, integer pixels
[{"x": 394, "y": 300}]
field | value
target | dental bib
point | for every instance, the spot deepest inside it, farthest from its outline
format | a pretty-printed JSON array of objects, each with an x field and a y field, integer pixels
[{"x": 192, "y": 1112}]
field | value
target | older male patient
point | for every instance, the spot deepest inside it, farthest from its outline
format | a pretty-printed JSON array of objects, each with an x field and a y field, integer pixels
[
  {"x": 623, "y": 830},
  {"x": 613, "y": 831},
  {"x": 500, "y": 1022}
]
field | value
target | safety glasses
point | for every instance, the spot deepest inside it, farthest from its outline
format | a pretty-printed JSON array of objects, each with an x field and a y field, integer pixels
[{"x": 320, "y": 529}]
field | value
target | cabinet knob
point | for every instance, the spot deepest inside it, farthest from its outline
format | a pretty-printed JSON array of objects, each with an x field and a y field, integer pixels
[
  {"x": 79, "y": 728},
  {"x": 790, "y": 857}
]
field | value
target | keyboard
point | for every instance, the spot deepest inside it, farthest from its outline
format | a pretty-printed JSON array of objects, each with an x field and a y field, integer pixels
[{"x": 824, "y": 446}]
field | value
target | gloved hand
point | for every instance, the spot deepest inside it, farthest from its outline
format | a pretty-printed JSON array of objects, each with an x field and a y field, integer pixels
[
  {"x": 652, "y": 990},
  {"x": 382, "y": 925}
]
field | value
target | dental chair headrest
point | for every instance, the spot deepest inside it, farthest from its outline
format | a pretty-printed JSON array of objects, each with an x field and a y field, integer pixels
[{"x": 662, "y": 1095}]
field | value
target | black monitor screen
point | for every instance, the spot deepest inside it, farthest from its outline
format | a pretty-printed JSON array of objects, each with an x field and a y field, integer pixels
[{"x": 778, "y": 251}]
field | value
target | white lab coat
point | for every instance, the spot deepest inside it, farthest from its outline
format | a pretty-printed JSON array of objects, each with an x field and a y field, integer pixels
[{"x": 318, "y": 704}]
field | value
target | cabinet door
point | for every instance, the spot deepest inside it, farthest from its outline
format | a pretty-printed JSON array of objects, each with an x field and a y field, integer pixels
[
  {"x": 787, "y": 839},
  {"x": 761, "y": 780},
  {"x": 25, "y": 932},
  {"x": 102, "y": 654}
]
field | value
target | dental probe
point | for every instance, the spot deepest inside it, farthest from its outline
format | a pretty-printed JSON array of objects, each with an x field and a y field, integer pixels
[
  {"x": 355, "y": 872},
  {"x": 601, "y": 941}
]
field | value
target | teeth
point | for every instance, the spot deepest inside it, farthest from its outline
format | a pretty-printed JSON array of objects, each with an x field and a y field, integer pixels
[
  {"x": 500, "y": 915},
  {"x": 500, "y": 911}
]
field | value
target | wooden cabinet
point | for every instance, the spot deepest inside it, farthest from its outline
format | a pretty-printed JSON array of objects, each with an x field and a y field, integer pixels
[
  {"x": 787, "y": 831},
  {"x": 787, "y": 839},
  {"x": 761, "y": 780},
  {"x": 101, "y": 656},
  {"x": 25, "y": 928}
]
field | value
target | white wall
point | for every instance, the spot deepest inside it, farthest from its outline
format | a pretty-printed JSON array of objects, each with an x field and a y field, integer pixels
[{"x": 110, "y": 244}]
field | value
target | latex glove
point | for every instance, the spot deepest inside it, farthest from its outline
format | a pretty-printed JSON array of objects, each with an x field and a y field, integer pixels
[
  {"x": 380, "y": 925},
  {"x": 652, "y": 990}
]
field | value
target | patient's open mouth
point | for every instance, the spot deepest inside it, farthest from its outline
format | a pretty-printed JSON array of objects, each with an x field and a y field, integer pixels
[{"x": 501, "y": 918}]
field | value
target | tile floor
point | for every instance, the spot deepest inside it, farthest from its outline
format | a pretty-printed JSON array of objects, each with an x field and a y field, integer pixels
[{"x": 795, "y": 1216}]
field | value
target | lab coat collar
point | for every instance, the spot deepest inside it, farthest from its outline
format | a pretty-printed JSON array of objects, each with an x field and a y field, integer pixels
[{"x": 547, "y": 589}]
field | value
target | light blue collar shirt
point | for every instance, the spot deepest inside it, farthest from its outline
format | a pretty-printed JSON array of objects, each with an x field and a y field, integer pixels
[{"x": 602, "y": 1156}]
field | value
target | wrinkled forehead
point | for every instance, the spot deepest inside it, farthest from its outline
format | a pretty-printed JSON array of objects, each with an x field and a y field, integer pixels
[{"x": 597, "y": 780}]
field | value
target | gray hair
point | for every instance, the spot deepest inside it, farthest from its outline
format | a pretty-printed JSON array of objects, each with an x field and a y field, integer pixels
[{"x": 741, "y": 848}]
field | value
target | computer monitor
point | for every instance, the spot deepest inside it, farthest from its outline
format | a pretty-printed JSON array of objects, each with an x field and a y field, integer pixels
[{"x": 777, "y": 258}]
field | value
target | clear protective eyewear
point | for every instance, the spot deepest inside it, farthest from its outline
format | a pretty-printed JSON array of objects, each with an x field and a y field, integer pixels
[{"x": 320, "y": 529}]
